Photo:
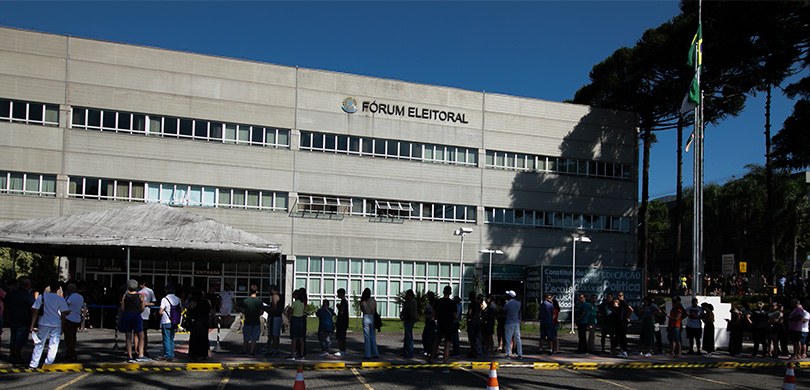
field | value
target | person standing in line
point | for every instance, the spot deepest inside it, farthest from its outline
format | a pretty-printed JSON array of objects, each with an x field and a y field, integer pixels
[
  {"x": 2, "y": 311},
  {"x": 694, "y": 326},
  {"x": 408, "y": 316},
  {"x": 297, "y": 317},
  {"x": 342, "y": 323},
  {"x": 674, "y": 326},
  {"x": 474, "y": 323},
  {"x": 251, "y": 330},
  {"x": 734, "y": 327},
  {"x": 149, "y": 301},
  {"x": 759, "y": 328},
  {"x": 648, "y": 312},
  {"x": 501, "y": 318},
  {"x": 199, "y": 312},
  {"x": 445, "y": 313},
  {"x": 708, "y": 328},
  {"x": 19, "y": 300},
  {"x": 457, "y": 325},
  {"x": 593, "y": 310},
  {"x": 429, "y": 332},
  {"x": 555, "y": 325},
  {"x": 660, "y": 321},
  {"x": 488, "y": 326},
  {"x": 131, "y": 323},
  {"x": 170, "y": 309},
  {"x": 75, "y": 302},
  {"x": 625, "y": 311},
  {"x": 326, "y": 326},
  {"x": 581, "y": 319},
  {"x": 805, "y": 330},
  {"x": 512, "y": 327},
  {"x": 226, "y": 303},
  {"x": 775, "y": 326},
  {"x": 783, "y": 333},
  {"x": 275, "y": 312},
  {"x": 49, "y": 327},
  {"x": 368, "y": 306},
  {"x": 546, "y": 314},
  {"x": 302, "y": 296},
  {"x": 605, "y": 307}
]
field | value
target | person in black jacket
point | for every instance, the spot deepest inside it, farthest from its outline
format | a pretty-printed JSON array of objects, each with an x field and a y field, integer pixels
[
  {"x": 488, "y": 326},
  {"x": 759, "y": 328}
]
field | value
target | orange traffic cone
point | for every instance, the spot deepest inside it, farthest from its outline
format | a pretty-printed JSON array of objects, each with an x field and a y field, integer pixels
[
  {"x": 790, "y": 378},
  {"x": 299, "y": 380},
  {"x": 492, "y": 384}
]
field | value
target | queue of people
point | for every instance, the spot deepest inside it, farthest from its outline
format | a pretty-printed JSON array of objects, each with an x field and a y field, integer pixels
[{"x": 493, "y": 323}]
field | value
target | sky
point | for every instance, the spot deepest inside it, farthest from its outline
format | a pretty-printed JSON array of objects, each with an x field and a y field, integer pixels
[{"x": 536, "y": 49}]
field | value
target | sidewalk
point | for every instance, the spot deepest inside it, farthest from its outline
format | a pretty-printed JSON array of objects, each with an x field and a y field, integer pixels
[{"x": 98, "y": 347}]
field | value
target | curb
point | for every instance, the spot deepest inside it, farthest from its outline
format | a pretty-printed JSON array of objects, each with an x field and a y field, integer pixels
[{"x": 538, "y": 365}]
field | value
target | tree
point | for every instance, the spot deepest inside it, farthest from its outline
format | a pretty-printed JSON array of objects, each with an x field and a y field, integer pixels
[
  {"x": 752, "y": 47},
  {"x": 735, "y": 221},
  {"x": 650, "y": 79},
  {"x": 39, "y": 268},
  {"x": 791, "y": 146}
]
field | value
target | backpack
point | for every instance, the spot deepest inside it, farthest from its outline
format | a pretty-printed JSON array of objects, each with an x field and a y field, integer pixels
[{"x": 175, "y": 313}]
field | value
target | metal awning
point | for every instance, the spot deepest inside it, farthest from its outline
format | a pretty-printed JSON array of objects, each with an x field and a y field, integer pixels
[{"x": 149, "y": 226}]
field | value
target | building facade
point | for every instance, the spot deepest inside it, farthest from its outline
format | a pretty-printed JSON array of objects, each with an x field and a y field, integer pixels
[{"x": 361, "y": 180}]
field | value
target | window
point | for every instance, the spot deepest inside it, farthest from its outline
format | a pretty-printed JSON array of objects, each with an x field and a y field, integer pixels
[
  {"x": 29, "y": 112},
  {"x": 134, "y": 123},
  {"x": 386, "y": 148},
  {"x": 27, "y": 184},
  {"x": 316, "y": 204}
]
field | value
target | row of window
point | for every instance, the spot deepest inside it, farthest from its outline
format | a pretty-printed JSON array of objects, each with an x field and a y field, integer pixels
[
  {"x": 29, "y": 112},
  {"x": 176, "y": 194},
  {"x": 570, "y": 166},
  {"x": 27, "y": 183},
  {"x": 398, "y": 210},
  {"x": 556, "y": 219},
  {"x": 388, "y": 148},
  {"x": 322, "y": 276},
  {"x": 167, "y": 126},
  {"x": 203, "y": 196}
]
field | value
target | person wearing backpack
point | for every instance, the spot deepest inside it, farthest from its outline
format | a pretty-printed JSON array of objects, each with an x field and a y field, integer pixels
[{"x": 170, "y": 317}]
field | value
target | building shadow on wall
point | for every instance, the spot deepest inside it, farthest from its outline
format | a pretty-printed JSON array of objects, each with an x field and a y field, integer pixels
[{"x": 568, "y": 188}]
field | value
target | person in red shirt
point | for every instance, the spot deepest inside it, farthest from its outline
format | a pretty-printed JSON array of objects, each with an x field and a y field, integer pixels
[{"x": 674, "y": 328}]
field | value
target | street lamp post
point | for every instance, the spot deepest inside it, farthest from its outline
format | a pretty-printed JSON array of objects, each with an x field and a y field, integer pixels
[
  {"x": 491, "y": 252},
  {"x": 578, "y": 236},
  {"x": 462, "y": 232}
]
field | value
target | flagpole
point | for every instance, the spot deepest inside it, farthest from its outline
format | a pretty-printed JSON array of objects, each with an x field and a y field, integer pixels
[{"x": 697, "y": 208}]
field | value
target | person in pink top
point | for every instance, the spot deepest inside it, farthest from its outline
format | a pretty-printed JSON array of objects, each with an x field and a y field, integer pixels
[{"x": 796, "y": 323}]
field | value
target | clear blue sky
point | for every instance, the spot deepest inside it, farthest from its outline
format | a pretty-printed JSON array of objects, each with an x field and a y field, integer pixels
[{"x": 540, "y": 49}]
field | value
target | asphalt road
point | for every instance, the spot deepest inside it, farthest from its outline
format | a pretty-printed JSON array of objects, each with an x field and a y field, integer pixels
[{"x": 416, "y": 379}]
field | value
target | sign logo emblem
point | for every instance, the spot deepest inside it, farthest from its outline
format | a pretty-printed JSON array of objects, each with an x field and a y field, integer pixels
[{"x": 349, "y": 105}]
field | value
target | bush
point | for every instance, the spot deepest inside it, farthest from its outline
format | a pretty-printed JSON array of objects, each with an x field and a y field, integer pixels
[{"x": 532, "y": 311}]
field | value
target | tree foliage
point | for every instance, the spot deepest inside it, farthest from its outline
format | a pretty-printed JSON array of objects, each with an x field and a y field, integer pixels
[
  {"x": 39, "y": 268},
  {"x": 748, "y": 47},
  {"x": 735, "y": 222}
]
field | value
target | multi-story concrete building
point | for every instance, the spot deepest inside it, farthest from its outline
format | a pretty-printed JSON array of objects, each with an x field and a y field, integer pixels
[{"x": 361, "y": 180}]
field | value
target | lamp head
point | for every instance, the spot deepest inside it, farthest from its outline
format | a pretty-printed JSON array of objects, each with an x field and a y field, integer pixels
[{"x": 462, "y": 231}]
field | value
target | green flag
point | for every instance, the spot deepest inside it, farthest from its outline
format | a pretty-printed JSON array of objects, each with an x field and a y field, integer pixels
[
  {"x": 692, "y": 98},
  {"x": 696, "y": 50}
]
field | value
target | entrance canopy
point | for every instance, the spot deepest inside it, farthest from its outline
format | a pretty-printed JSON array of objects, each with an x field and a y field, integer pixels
[{"x": 145, "y": 229}]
